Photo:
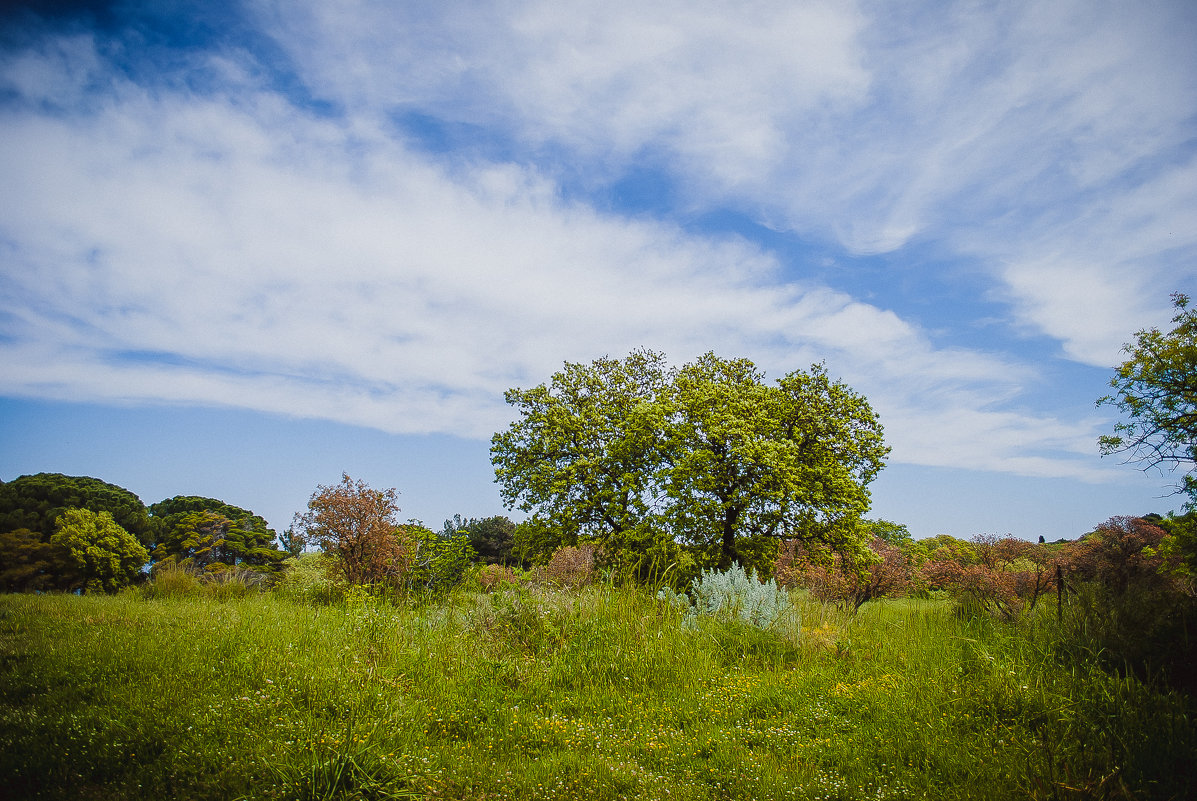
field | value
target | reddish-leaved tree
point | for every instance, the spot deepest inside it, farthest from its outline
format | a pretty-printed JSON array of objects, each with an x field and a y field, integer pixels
[
  {"x": 1001, "y": 575},
  {"x": 1122, "y": 553},
  {"x": 843, "y": 579},
  {"x": 358, "y": 527}
]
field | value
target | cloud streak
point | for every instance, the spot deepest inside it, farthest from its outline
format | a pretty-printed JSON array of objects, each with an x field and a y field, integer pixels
[{"x": 1021, "y": 134}]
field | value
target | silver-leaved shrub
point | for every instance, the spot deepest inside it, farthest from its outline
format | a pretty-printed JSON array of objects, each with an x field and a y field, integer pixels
[{"x": 731, "y": 595}]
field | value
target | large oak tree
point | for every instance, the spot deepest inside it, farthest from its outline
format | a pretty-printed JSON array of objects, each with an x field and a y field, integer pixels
[
  {"x": 636, "y": 456},
  {"x": 750, "y": 462},
  {"x": 584, "y": 455}
]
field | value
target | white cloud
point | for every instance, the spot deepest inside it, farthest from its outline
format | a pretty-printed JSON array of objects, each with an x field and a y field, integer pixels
[
  {"x": 232, "y": 248},
  {"x": 1010, "y": 132}
]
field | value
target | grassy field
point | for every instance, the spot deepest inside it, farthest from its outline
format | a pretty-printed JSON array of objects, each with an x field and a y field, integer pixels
[{"x": 537, "y": 693}]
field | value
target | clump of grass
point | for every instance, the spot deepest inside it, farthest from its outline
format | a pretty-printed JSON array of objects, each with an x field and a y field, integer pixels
[
  {"x": 172, "y": 580},
  {"x": 308, "y": 580}
]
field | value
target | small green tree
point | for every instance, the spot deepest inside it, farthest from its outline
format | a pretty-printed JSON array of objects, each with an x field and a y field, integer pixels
[
  {"x": 492, "y": 538},
  {"x": 1156, "y": 389},
  {"x": 436, "y": 563},
  {"x": 98, "y": 555},
  {"x": 292, "y": 542}
]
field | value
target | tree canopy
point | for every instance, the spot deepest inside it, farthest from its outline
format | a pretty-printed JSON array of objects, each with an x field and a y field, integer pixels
[
  {"x": 748, "y": 462},
  {"x": 584, "y": 454},
  {"x": 97, "y": 554},
  {"x": 213, "y": 535},
  {"x": 640, "y": 458},
  {"x": 492, "y": 538},
  {"x": 35, "y": 502},
  {"x": 1156, "y": 390},
  {"x": 358, "y": 526},
  {"x": 28, "y": 562}
]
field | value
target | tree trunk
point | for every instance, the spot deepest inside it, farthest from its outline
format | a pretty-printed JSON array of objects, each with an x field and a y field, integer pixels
[{"x": 728, "y": 553}]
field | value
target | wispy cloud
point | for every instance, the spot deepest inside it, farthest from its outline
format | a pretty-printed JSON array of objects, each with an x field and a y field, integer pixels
[{"x": 1019, "y": 134}]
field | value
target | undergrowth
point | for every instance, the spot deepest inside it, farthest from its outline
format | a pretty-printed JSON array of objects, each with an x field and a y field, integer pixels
[{"x": 543, "y": 692}]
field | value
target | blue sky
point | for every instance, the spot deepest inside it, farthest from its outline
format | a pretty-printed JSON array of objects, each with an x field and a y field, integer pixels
[{"x": 247, "y": 246}]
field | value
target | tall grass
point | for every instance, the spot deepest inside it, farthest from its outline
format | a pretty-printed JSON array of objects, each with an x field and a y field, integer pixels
[{"x": 555, "y": 693}]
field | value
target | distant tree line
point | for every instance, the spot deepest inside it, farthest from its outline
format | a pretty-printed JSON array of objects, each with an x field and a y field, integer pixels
[
  {"x": 78, "y": 533},
  {"x": 653, "y": 473}
]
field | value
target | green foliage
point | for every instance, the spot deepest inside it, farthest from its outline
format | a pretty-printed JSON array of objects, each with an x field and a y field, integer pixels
[
  {"x": 310, "y": 579},
  {"x": 946, "y": 548},
  {"x": 536, "y": 541},
  {"x": 752, "y": 462},
  {"x": 214, "y": 535},
  {"x": 170, "y": 579},
  {"x": 1125, "y": 607},
  {"x": 98, "y": 555},
  {"x": 493, "y": 577},
  {"x": 292, "y": 542},
  {"x": 28, "y": 563},
  {"x": 1156, "y": 390},
  {"x": 1179, "y": 549},
  {"x": 35, "y": 502},
  {"x": 638, "y": 459},
  {"x": 895, "y": 534},
  {"x": 492, "y": 538},
  {"x": 438, "y": 563},
  {"x": 585, "y": 450}
]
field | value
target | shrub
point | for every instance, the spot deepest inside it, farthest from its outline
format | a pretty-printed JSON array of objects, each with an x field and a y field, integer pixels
[
  {"x": 571, "y": 566},
  {"x": 233, "y": 583},
  {"x": 174, "y": 579},
  {"x": 1002, "y": 577},
  {"x": 357, "y": 526},
  {"x": 436, "y": 563},
  {"x": 849, "y": 580},
  {"x": 731, "y": 595},
  {"x": 1124, "y": 605},
  {"x": 494, "y": 576},
  {"x": 169, "y": 579}
]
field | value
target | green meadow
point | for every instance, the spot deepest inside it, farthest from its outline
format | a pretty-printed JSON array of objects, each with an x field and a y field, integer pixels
[{"x": 539, "y": 693}]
